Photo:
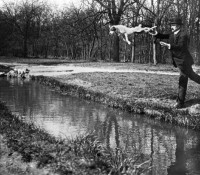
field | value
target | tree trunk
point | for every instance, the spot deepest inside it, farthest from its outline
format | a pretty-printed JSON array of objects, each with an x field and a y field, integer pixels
[
  {"x": 154, "y": 54},
  {"x": 198, "y": 36},
  {"x": 133, "y": 49},
  {"x": 115, "y": 48},
  {"x": 157, "y": 23},
  {"x": 25, "y": 51},
  {"x": 125, "y": 51}
]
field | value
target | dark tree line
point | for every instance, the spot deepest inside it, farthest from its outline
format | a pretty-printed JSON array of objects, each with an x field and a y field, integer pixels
[{"x": 35, "y": 29}]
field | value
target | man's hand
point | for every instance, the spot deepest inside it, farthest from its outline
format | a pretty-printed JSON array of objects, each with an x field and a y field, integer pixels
[{"x": 165, "y": 44}]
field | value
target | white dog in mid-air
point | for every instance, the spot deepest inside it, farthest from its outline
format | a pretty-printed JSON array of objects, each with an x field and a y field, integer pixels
[{"x": 123, "y": 30}]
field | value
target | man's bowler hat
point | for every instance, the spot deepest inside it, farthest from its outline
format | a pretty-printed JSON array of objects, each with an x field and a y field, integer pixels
[{"x": 176, "y": 20}]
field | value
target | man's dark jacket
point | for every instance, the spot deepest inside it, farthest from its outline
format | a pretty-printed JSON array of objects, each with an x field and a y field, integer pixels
[{"x": 179, "y": 48}]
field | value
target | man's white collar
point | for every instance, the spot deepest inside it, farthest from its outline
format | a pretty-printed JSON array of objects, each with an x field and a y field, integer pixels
[{"x": 176, "y": 32}]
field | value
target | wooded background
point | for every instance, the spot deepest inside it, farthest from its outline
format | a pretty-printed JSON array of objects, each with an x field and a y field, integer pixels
[{"x": 33, "y": 28}]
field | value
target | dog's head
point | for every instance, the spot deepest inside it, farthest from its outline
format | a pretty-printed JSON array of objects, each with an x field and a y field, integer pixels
[{"x": 112, "y": 30}]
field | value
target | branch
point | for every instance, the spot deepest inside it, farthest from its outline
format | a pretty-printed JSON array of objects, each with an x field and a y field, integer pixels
[
  {"x": 102, "y": 4},
  {"x": 146, "y": 8}
]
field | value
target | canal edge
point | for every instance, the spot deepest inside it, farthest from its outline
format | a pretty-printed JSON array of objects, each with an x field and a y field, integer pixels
[{"x": 150, "y": 109}]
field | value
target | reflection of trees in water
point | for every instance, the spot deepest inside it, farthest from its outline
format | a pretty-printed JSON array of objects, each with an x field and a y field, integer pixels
[
  {"x": 187, "y": 154},
  {"x": 109, "y": 124},
  {"x": 16, "y": 89},
  {"x": 164, "y": 144},
  {"x": 179, "y": 166},
  {"x": 152, "y": 151}
]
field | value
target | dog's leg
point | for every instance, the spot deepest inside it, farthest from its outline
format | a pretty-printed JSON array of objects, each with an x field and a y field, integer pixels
[
  {"x": 126, "y": 38},
  {"x": 123, "y": 37}
]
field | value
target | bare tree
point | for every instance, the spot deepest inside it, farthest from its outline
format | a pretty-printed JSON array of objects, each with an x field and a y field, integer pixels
[
  {"x": 115, "y": 10},
  {"x": 23, "y": 17}
]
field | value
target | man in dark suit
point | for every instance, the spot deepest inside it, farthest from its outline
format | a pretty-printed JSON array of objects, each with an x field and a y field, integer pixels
[{"x": 178, "y": 45}]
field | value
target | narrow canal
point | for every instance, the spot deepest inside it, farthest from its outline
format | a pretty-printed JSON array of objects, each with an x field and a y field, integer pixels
[{"x": 173, "y": 150}]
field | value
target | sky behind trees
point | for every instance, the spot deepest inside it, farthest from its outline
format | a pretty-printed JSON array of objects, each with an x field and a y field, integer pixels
[{"x": 56, "y": 3}]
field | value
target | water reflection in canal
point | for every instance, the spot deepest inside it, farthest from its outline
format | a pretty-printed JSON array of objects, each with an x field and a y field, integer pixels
[{"x": 174, "y": 150}]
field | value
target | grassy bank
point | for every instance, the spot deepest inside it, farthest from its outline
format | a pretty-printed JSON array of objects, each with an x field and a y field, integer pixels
[{"x": 43, "y": 154}]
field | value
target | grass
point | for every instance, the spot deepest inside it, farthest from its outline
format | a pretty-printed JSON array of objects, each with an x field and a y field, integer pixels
[
  {"x": 44, "y": 61},
  {"x": 133, "y": 85},
  {"x": 128, "y": 85}
]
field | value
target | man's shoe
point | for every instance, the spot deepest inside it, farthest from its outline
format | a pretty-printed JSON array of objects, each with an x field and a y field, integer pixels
[{"x": 179, "y": 106}]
